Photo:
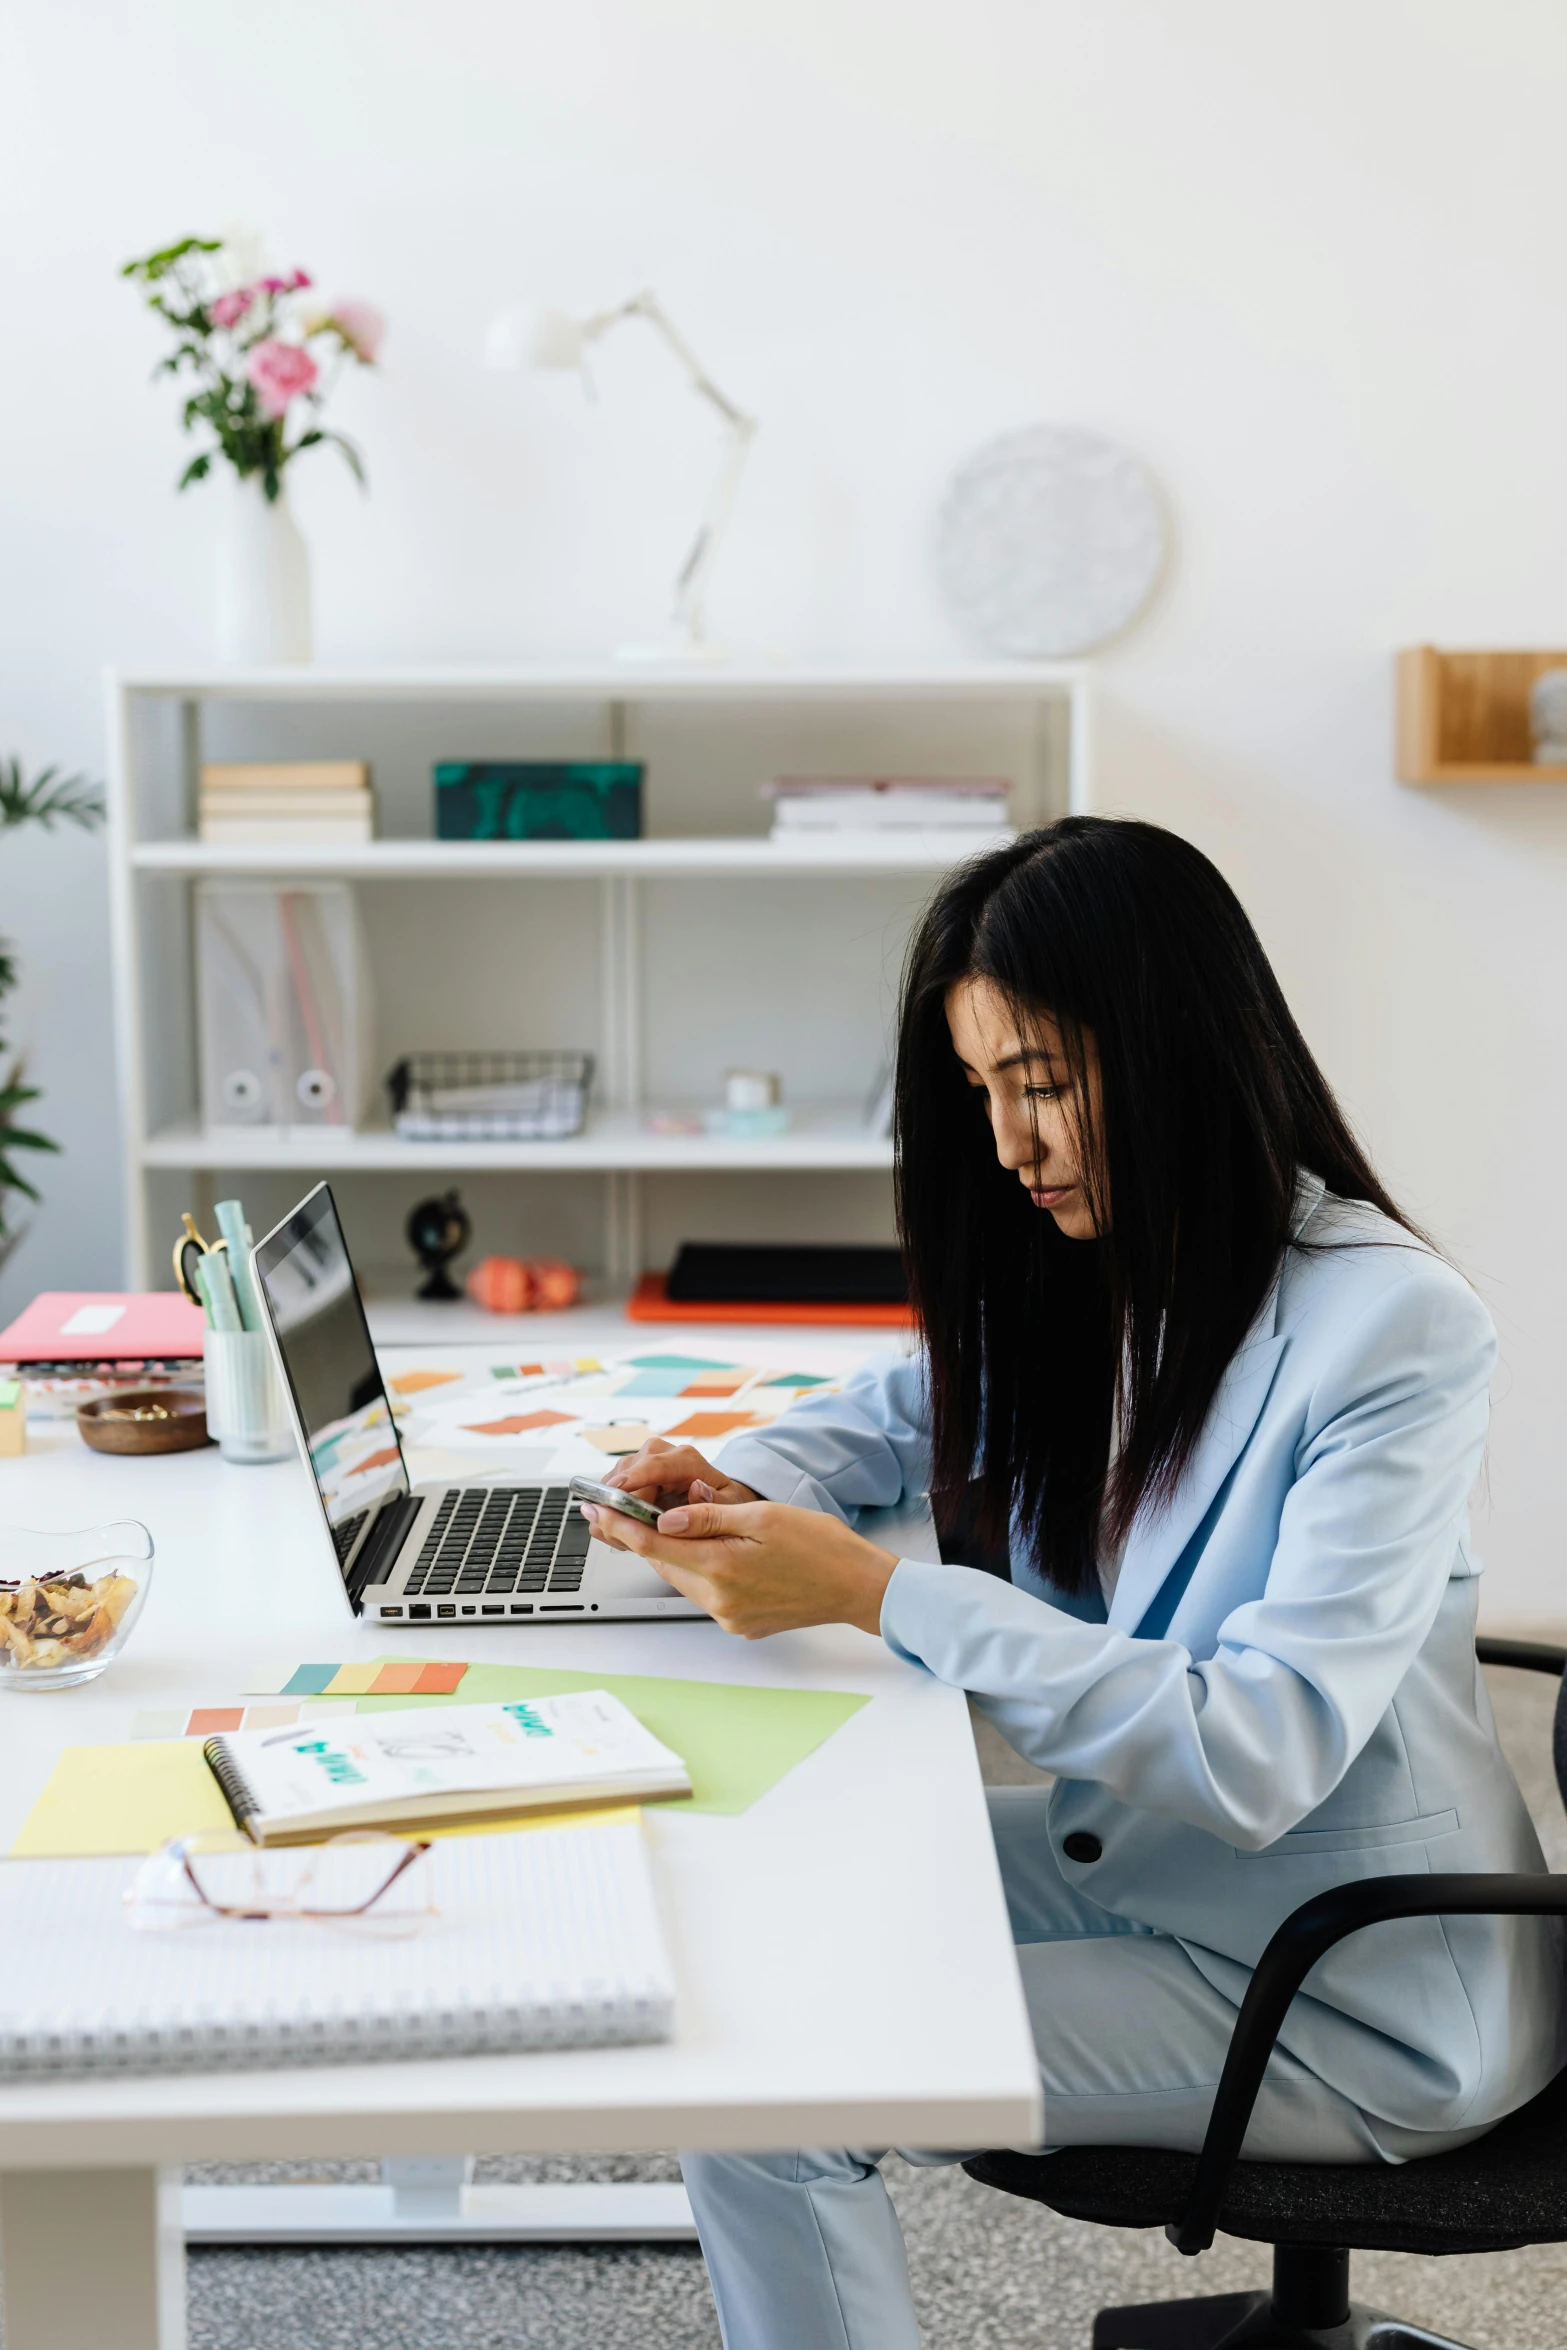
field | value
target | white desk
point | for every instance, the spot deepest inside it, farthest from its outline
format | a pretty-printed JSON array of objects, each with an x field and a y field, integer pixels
[{"x": 844, "y": 1968}]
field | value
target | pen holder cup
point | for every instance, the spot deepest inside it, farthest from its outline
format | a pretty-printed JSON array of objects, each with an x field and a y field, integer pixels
[{"x": 245, "y": 1407}]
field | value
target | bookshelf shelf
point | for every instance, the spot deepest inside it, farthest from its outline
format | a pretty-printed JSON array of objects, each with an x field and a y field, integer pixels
[{"x": 704, "y": 945}]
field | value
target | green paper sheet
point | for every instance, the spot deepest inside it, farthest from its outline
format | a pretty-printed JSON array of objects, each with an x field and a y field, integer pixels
[{"x": 736, "y": 1742}]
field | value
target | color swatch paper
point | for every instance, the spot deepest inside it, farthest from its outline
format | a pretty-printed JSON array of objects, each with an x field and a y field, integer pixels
[
  {"x": 308, "y": 1681},
  {"x": 352, "y": 1681},
  {"x": 676, "y": 1363},
  {"x": 651, "y": 1383},
  {"x": 415, "y": 1382},
  {"x": 713, "y": 1424},
  {"x": 375, "y": 1677},
  {"x": 208, "y": 1720},
  {"x": 157, "y": 1722},
  {"x": 518, "y": 1423},
  {"x": 619, "y": 1438}
]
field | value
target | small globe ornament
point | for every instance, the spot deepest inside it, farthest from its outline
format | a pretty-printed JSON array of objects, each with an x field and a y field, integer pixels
[
  {"x": 438, "y": 1230},
  {"x": 1049, "y": 542}
]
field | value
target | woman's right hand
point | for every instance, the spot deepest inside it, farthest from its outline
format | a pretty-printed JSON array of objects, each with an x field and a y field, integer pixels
[{"x": 667, "y": 1476}]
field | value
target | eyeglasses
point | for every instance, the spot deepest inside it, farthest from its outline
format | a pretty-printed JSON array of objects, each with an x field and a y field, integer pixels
[{"x": 362, "y": 1883}]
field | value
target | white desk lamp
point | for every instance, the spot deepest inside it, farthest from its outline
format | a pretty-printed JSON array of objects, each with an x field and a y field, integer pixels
[{"x": 548, "y": 338}]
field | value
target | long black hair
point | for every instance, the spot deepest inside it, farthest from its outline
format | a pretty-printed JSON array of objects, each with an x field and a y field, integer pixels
[{"x": 1209, "y": 1104}]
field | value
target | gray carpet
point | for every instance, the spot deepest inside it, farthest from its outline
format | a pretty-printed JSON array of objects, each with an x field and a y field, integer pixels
[{"x": 990, "y": 2273}]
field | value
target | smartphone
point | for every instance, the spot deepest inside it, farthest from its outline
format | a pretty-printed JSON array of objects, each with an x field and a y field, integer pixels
[{"x": 610, "y": 1497}]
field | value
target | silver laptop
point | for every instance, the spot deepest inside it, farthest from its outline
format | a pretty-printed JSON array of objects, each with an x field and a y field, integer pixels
[{"x": 496, "y": 1551}]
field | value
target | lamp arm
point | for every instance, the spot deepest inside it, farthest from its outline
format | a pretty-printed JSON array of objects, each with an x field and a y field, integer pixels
[
  {"x": 649, "y": 306},
  {"x": 697, "y": 569}
]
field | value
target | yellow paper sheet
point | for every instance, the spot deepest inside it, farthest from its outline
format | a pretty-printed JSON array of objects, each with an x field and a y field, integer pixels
[
  {"x": 352, "y": 1681},
  {"x": 103, "y": 1799},
  {"x": 108, "y": 1800}
]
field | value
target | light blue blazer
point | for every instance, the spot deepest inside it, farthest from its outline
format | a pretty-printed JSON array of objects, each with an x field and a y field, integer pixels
[{"x": 1285, "y": 1695}]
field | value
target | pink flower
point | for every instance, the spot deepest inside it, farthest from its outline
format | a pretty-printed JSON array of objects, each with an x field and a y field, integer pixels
[
  {"x": 280, "y": 371},
  {"x": 229, "y": 309},
  {"x": 359, "y": 326},
  {"x": 294, "y": 283}
]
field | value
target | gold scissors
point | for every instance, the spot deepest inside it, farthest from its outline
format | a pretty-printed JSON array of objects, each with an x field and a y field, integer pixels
[{"x": 188, "y": 1250}]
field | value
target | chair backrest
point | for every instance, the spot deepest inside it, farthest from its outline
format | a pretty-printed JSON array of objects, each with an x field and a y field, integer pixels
[{"x": 1559, "y": 1740}]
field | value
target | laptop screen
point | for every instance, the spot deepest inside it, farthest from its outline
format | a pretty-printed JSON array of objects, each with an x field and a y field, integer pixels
[{"x": 313, "y": 1302}]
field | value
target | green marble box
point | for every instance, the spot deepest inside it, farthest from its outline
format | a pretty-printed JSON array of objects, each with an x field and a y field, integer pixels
[{"x": 538, "y": 799}]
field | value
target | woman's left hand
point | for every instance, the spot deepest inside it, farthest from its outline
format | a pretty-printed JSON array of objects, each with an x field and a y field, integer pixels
[{"x": 760, "y": 1566}]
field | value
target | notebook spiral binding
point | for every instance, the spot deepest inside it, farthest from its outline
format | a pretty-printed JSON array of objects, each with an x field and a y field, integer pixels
[
  {"x": 392, "y": 2034},
  {"x": 232, "y": 1780}
]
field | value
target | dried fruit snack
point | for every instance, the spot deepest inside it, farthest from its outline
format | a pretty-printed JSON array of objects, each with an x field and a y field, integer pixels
[{"x": 61, "y": 1619}]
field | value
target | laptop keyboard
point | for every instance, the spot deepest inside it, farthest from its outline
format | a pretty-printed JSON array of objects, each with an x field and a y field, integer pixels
[
  {"x": 499, "y": 1542},
  {"x": 344, "y": 1536}
]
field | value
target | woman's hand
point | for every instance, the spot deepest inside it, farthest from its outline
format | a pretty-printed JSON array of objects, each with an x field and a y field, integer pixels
[
  {"x": 664, "y": 1475},
  {"x": 759, "y": 1566}
]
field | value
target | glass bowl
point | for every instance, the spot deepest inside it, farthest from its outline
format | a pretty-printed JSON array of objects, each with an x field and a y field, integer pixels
[{"x": 68, "y": 1602}]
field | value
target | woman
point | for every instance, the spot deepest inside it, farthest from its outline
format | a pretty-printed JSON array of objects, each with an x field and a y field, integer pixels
[{"x": 1192, "y": 1367}]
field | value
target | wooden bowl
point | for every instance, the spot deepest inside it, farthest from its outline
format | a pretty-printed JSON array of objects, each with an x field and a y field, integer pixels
[{"x": 145, "y": 1419}]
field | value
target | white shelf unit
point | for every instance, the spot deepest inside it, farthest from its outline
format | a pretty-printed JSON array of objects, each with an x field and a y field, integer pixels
[{"x": 703, "y": 945}]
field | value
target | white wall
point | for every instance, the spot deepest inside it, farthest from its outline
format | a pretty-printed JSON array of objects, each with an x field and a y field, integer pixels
[{"x": 1306, "y": 258}]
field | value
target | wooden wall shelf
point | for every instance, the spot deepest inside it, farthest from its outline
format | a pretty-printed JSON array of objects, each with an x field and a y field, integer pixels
[{"x": 1464, "y": 717}]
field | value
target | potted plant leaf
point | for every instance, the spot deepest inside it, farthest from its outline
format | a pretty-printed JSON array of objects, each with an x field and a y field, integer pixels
[{"x": 48, "y": 798}]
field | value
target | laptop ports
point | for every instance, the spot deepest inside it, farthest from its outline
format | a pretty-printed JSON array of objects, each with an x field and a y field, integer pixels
[
  {"x": 445, "y": 1609},
  {"x": 391, "y": 1611},
  {"x": 418, "y": 1610}
]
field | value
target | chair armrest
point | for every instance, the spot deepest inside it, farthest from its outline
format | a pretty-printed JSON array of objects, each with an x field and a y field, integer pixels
[
  {"x": 1305, "y": 1936},
  {"x": 1529, "y": 1656}
]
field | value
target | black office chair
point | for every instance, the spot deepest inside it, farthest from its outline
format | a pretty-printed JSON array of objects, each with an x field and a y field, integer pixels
[{"x": 1503, "y": 2190}]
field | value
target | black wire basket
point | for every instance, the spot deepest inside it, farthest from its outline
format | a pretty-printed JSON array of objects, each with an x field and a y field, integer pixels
[{"x": 490, "y": 1097}]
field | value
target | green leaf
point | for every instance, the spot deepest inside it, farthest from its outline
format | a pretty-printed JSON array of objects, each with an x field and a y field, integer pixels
[
  {"x": 152, "y": 266},
  {"x": 356, "y": 463},
  {"x": 197, "y": 470},
  {"x": 50, "y": 796},
  {"x": 11, "y": 1181},
  {"x": 19, "y": 1138}
]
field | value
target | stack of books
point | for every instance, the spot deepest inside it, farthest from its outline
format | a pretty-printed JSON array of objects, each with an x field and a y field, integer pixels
[
  {"x": 974, "y": 806},
  {"x": 323, "y": 803}
]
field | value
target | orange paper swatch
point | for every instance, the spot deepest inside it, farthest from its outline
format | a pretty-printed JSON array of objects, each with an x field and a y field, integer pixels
[
  {"x": 437, "y": 1680},
  {"x": 518, "y": 1423},
  {"x": 397, "y": 1680},
  {"x": 208, "y": 1720},
  {"x": 712, "y": 1423},
  {"x": 415, "y": 1382},
  {"x": 717, "y": 1383}
]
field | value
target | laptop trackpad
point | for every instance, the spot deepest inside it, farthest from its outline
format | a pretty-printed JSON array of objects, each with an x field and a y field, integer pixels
[{"x": 620, "y": 1574}]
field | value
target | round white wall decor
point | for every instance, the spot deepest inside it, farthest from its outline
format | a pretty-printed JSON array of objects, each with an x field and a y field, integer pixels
[{"x": 1049, "y": 541}]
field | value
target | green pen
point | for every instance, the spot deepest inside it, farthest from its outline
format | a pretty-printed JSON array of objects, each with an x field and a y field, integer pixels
[
  {"x": 230, "y": 1214},
  {"x": 217, "y": 1291}
]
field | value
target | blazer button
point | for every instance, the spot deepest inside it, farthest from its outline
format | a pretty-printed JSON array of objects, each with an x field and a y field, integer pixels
[{"x": 1081, "y": 1846}]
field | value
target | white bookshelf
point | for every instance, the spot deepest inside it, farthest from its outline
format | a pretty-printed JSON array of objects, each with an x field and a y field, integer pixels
[{"x": 702, "y": 945}]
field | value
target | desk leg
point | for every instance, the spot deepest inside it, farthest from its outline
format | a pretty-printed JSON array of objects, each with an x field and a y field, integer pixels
[{"x": 92, "y": 2257}]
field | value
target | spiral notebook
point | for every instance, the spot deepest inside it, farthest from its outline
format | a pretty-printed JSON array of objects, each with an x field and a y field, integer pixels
[
  {"x": 407, "y": 1769},
  {"x": 548, "y": 1938}
]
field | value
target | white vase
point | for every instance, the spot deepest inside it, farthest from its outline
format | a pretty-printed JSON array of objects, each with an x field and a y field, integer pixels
[{"x": 263, "y": 580}]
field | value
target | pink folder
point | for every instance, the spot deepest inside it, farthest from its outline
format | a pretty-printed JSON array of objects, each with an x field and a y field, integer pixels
[{"x": 103, "y": 1325}]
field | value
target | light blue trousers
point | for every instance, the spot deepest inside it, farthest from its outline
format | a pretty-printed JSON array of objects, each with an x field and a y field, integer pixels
[{"x": 804, "y": 2250}]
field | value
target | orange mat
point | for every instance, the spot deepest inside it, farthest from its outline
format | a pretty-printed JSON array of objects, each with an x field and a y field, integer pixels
[{"x": 648, "y": 1303}]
